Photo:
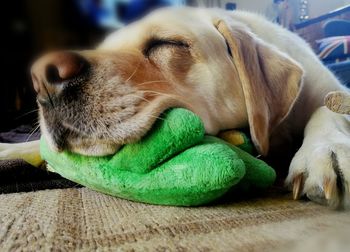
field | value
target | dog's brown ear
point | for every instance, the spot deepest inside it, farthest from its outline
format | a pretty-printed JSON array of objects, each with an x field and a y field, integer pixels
[{"x": 270, "y": 80}]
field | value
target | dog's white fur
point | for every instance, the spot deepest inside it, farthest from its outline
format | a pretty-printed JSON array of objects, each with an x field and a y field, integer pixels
[{"x": 326, "y": 134}]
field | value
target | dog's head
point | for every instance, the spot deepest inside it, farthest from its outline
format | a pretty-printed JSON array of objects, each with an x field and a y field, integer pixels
[{"x": 91, "y": 102}]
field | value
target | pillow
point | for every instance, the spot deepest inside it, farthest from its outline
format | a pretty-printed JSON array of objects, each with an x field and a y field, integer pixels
[{"x": 333, "y": 48}]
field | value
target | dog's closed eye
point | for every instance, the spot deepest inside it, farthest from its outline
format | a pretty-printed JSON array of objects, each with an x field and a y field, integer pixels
[
  {"x": 156, "y": 43},
  {"x": 172, "y": 56}
]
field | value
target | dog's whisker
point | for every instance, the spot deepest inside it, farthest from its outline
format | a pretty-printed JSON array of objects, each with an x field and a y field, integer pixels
[
  {"x": 159, "y": 93},
  {"x": 160, "y": 118},
  {"x": 33, "y": 132},
  {"x": 140, "y": 97},
  {"x": 133, "y": 73},
  {"x": 36, "y": 123},
  {"x": 150, "y": 82},
  {"x": 48, "y": 95},
  {"x": 173, "y": 96},
  {"x": 27, "y": 113},
  {"x": 157, "y": 117}
]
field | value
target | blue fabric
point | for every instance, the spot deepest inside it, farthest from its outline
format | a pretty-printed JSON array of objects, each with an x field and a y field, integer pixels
[
  {"x": 337, "y": 56},
  {"x": 334, "y": 48},
  {"x": 336, "y": 28},
  {"x": 342, "y": 71}
]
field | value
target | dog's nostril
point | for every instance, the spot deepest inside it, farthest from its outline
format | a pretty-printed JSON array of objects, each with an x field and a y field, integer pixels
[
  {"x": 52, "y": 74},
  {"x": 64, "y": 66}
]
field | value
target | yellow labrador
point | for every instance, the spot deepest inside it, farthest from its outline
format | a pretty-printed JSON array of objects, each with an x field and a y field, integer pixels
[{"x": 233, "y": 69}]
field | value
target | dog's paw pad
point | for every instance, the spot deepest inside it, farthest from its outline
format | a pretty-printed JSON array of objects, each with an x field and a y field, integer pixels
[{"x": 338, "y": 102}]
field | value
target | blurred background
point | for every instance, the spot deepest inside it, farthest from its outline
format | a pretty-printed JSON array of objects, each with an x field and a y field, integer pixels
[{"x": 33, "y": 27}]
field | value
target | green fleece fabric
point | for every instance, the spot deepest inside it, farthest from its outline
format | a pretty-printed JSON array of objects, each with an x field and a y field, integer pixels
[{"x": 174, "y": 164}]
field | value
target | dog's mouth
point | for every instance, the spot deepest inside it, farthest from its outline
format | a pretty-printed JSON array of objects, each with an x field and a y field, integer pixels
[{"x": 98, "y": 136}]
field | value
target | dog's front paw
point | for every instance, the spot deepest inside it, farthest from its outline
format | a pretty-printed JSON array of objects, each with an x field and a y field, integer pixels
[
  {"x": 4, "y": 151},
  {"x": 321, "y": 171},
  {"x": 28, "y": 151}
]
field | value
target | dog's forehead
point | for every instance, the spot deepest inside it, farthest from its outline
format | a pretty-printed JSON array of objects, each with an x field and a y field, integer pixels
[{"x": 165, "y": 23}]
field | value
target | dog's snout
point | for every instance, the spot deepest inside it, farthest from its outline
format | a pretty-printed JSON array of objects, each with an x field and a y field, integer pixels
[{"x": 54, "y": 70}]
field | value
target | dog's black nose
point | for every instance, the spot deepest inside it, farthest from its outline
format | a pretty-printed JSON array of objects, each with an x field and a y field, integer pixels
[{"x": 55, "y": 69}]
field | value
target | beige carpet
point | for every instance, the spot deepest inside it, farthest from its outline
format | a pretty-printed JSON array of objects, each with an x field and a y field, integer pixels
[{"x": 80, "y": 219}]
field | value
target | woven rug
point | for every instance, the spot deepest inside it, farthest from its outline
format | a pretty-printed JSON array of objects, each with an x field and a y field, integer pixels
[{"x": 84, "y": 220}]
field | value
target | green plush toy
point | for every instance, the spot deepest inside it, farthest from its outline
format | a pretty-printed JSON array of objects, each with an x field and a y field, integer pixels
[{"x": 174, "y": 164}]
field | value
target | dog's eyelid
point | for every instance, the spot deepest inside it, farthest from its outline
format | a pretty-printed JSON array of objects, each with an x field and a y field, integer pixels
[{"x": 155, "y": 42}]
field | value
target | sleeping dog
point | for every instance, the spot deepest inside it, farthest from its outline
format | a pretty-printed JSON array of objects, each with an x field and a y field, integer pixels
[{"x": 233, "y": 69}]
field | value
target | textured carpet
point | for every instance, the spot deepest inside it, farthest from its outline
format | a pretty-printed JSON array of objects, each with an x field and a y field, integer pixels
[
  {"x": 19, "y": 176},
  {"x": 80, "y": 219}
]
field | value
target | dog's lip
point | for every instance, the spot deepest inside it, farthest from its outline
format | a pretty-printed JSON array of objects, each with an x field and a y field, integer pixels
[
  {"x": 156, "y": 110},
  {"x": 69, "y": 144}
]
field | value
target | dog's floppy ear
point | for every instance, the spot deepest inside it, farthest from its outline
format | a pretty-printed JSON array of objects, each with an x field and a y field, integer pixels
[{"x": 270, "y": 80}]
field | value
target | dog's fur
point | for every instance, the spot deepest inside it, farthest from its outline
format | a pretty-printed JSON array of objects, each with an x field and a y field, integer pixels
[{"x": 233, "y": 69}]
